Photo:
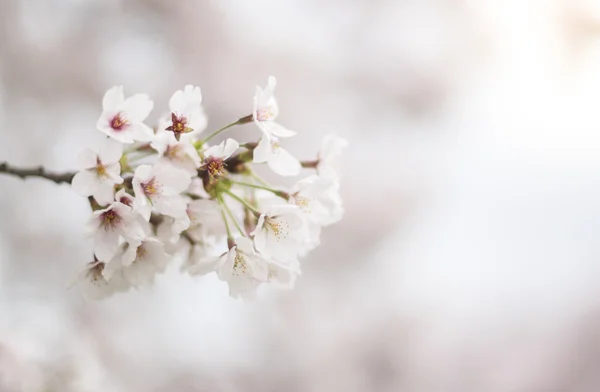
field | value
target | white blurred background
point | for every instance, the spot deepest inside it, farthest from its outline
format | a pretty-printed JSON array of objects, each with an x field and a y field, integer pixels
[{"x": 468, "y": 259}]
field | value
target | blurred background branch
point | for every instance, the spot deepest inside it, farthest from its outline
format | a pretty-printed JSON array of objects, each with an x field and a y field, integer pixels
[{"x": 40, "y": 172}]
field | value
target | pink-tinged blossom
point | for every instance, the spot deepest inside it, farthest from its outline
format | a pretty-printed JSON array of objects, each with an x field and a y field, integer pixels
[
  {"x": 181, "y": 154},
  {"x": 266, "y": 111},
  {"x": 94, "y": 285},
  {"x": 158, "y": 188},
  {"x": 186, "y": 115},
  {"x": 110, "y": 226},
  {"x": 138, "y": 261},
  {"x": 99, "y": 172},
  {"x": 123, "y": 119}
]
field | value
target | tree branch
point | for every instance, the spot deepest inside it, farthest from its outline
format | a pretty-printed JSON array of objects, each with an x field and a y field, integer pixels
[{"x": 37, "y": 172}]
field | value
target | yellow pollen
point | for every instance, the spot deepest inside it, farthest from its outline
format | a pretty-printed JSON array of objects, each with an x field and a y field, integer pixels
[
  {"x": 151, "y": 187},
  {"x": 277, "y": 227},
  {"x": 239, "y": 264},
  {"x": 100, "y": 168},
  {"x": 110, "y": 219},
  {"x": 140, "y": 253},
  {"x": 215, "y": 167},
  {"x": 172, "y": 152},
  {"x": 301, "y": 201},
  {"x": 179, "y": 125}
]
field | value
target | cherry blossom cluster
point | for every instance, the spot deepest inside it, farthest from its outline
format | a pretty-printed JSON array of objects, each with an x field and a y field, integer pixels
[{"x": 166, "y": 194}]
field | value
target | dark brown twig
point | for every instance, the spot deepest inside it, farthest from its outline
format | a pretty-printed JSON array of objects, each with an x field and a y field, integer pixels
[{"x": 37, "y": 172}]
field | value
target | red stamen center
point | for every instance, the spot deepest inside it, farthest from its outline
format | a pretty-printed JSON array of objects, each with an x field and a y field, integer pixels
[{"x": 119, "y": 122}]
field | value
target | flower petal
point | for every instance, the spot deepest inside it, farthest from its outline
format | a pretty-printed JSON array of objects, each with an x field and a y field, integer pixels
[
  {"x": 230, "y": 146},
  {"x": 140, "y": 132},
  {"x": 87, "y": 159},
  {"x": 110, "y": 151},
  {"x": 245, "y": 245},
  {"x": 106, "y": 244},
  {"x": 85, "y": 183},
  {"x": 112, "y": 99},
  {"x": 204, "y": 267},
  {"x": 173, "y": 206},
  {"x": 284, "y": 163},
  {"x": 137, "y": 107},
  {"x": 263, "y": 150},
  {"x": 143, "y": 172},
  {"x": 104, "y": 193},
  {"x": 275, "y": 129},
  {"x": 260, "y": 242},
  {"x": 113, "y": 171}
]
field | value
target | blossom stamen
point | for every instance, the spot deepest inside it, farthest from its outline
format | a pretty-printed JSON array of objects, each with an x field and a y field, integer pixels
[
  {"x": 265, "y": 114},
  {"x": 279, "y": 228},
  {"x": 215, "y": 167},
  {"x": 119, "y": 122},
  {"x": 110, "y": 219},
  {"x": 302, "y": 201},
  {"x": 100, "y": 169},
  {"x": 95, "y": 272},
  {"x": 151, "y": 188},
  {"x": 179, "y": 126},
  {"x": 140, "y": 253},
  {"x": 173, "y": 152},
  {"x": 240, "y": 266},
  {"x": 126, "y": 200}
]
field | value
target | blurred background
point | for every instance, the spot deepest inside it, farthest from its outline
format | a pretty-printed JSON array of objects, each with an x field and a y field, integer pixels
[{"x": 468, "y": 258}]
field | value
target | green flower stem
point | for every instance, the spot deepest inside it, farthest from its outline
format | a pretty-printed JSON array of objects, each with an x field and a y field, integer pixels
[
  {"x": 244, "y": 203},
  {"x": 281, "y": 194},
  {"x": 242, "y": 120},
  {"x": 229, "y": 236},
  {"x": 235, "y": 222},
  {"x": 257, "y": 177}
]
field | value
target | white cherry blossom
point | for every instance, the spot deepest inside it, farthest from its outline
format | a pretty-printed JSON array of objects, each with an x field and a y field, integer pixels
[
  {"x": 139, "y": 261},
  {"x": 318, "y": 199},
  {"x": 279, "y": 233},
  {"x": 99, "y": 172},
  {"x": 112, "y": 224},
  {"x": 205, "y": 220},
  {"x": 282, "y": 276},
  {"x": 123, "y": 197},
  {"x": 243, "y": 268},
  {"x": 187, "y": 115},
  {"x": 328, "y": 165},
  {"x": 94, "y": 285},
  {"x": 279, "y": 159},
  {"x": 181, "y": 154},
  {"x": 178, "y": 199},
  {"x": 266, "y": 111},
  {"x": 215, "y": 157},
  {"x": 201, "y": 258},
  {"x": 158, "y": 188},
  {"x": 123, "y": 119}
]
